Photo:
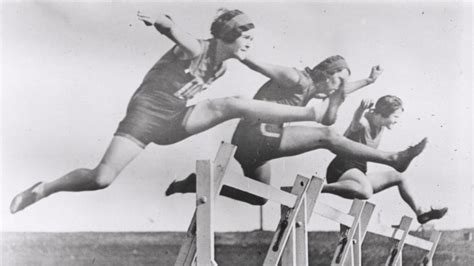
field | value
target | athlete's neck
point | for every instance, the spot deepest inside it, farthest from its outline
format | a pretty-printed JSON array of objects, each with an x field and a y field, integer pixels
[
  {"x": 374, "y": 121},
  {"x": 221, "y": 53}
]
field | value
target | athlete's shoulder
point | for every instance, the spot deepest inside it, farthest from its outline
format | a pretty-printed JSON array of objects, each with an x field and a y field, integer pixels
[{"x": 304, "y": 79}]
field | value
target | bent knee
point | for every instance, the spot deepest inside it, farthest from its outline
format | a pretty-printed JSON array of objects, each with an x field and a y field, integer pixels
[
  {"x": 395, "y": 177},
  {"x": 329, "y": 136},
  {"x": 364, "y": 193},
  {"x": 103, "y": 176}
]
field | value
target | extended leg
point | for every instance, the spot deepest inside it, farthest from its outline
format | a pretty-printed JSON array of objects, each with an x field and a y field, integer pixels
[
  {"x": 209, "y": 113},
  {"x": 119, "y": 153},
  {"x": 383, "y": 180},
  {"x": 353, "y": 184},
  {"x": 300, "y": 139}
]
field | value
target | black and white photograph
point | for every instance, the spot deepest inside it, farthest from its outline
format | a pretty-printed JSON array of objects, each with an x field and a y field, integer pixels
[{"x": 236, "y": 133}]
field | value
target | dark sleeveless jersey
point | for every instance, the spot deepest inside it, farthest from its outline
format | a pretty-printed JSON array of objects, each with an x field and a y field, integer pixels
[
  {"x": 298, "y": 95},
  {"x": 172, "y": 81},
  {"x": 257, "y": 142},
  {"x": 157, "y": 111},
  {"x": 363, "y": 134},
  {"x": 358, "y": 132}
]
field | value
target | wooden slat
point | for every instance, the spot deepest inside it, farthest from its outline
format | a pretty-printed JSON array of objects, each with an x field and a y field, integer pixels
[
  {"x": 296, "y": 252},
  {"x": 333, "y": 214},
  {"x": 434, "y": 238},
  {"x": 344, "y": 253},
  {"x": 224, "y": 154},
  {"x": 301, "y": 234},
  {"x": 260, "y": 189},
  {"x": 187, "y": 251},
  {"x": 204, "y": 208},
  {"x": 312, "y": 195},
  {"x": 395, "y": 257},
  {"x": 288, "y": 257},
  {"x": 280, "y": 237},
  {"x": 397, "y": 234}
]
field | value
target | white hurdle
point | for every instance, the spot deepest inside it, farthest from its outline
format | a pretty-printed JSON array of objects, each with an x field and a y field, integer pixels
[
  {"x": 348, "y": 251},
  {"x": 198, "y": 246},
  {"x": 402, "y": 237},
  {"x": 290, "y": 240}
]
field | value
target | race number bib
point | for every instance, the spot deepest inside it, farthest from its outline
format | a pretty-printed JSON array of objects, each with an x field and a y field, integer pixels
[{"x": 193, "y": 87}]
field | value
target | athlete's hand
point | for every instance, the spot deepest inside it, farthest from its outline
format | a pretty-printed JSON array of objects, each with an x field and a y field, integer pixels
[
  {"x": 146, "y": 19},
  {"x": 375, "y": 72},
  {"x": 339, "y": 95},
  {"x": 366, "y": 104},
  {"x": 162, "y": 21}
]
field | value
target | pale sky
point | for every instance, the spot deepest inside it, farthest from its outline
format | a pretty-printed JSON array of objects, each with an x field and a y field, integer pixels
[{"x": 68, "y": 71}]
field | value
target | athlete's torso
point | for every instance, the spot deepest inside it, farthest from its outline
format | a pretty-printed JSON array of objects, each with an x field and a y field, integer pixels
[
  {"x": 182, "y": 79},
  {"x": 365, "y": 134},
  {"x": 298, "y": 95}
]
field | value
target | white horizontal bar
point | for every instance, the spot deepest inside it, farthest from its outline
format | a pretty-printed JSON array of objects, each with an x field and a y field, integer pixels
[
  {"x": 346, "y": 219},
  {"x": 333, "y": 214},
  {"x": 397, "y": 234},
  {"x": 260, "y": 189}
]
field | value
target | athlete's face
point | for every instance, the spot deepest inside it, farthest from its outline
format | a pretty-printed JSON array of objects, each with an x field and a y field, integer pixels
[
  {"x": 334, "y": 81},
  {"x": 241, "y": 45},
  {"x": 392, "y": 119}
]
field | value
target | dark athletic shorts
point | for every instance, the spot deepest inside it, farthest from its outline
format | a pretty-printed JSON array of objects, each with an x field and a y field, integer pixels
[
  {"x": 256, "y": 142},
  {"x": 156, "y": 120},
  {"x": 339, "y": 166}
]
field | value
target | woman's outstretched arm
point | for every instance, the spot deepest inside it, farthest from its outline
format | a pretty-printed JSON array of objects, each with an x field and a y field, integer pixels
[
  {"x": 353, "y": 86},
  {"x": 187, "y": 45},
  {"x": 286, "y": 76},
  {"x": 356, "y": 123}
]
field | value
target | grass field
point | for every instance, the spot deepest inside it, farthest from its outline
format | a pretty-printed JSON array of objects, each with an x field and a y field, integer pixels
[{"x": 243, "y": 248}]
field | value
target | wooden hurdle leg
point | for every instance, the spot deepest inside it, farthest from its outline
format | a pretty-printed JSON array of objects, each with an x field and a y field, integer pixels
[
  {"x": 187, "y": 251},
  {"x": 395, "y": 257},
  {"x": 296, "y": 249},
  {"x": 355, "y": 249},
  {"x": 204, "y": 208},
  {"x": 288, "y": 257},
  {"x": 434, "y": 238},
  {"x": 361, "y": 230},
  {"x": 285, "y": 225},
  {"x": 344, "y": 251}
]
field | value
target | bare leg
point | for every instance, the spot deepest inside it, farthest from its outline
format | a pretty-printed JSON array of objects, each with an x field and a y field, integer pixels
[
  {"x": 209, "y": 113},
  {"x": 383, "y": 180},
  {"x": 353, "y": 184},
  {"x": 119, "y": 153},
  {"x": 300, "y": 139}
]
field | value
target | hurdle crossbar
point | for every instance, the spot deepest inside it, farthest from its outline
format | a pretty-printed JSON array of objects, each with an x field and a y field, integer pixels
[
  {"x": 290, "y": 241},
  {"x": 187, "y": 252},
  {"x": 399, "y": 234},
  {"x": 356, "y": 221},
  {"x": 198, "y": 246}
]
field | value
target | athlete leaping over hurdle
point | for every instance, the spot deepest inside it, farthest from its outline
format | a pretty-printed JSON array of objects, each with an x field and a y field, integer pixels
[
  {"x": 348, "y": 178},
  {"x": 159, "y": 113},
  {"x": 258, "y": 143}
]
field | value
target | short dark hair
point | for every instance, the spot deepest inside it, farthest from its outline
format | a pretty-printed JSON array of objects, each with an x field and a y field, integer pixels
[
  {"x": 328, "y": 67},
  {"x": 332, "y": 65},
  {"x": 386, "y": 105},
  {"x": 222, "y": 28}
]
